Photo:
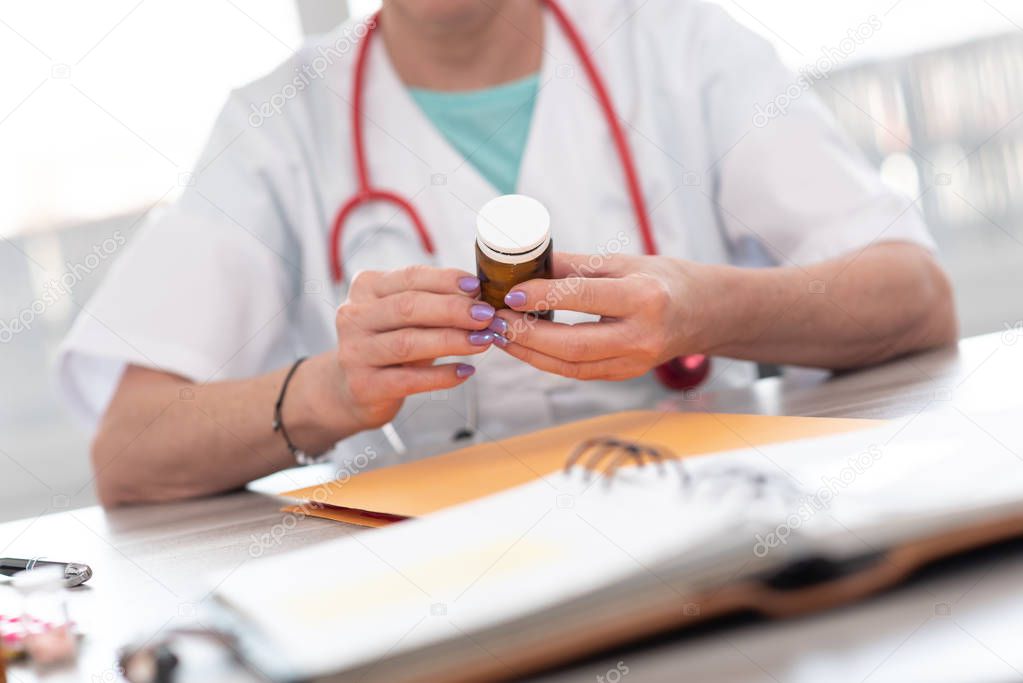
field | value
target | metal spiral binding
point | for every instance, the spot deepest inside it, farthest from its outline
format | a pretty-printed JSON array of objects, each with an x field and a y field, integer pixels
[
  {"x": 589, "y": 454},
  {"x": 600, "y": 447}
]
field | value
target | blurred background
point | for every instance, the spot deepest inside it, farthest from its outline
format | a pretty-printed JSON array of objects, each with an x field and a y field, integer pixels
[{"x": 105, "y": 106}]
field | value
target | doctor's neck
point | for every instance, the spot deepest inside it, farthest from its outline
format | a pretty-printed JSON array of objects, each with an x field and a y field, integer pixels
[{"x": 462, "y": 44}]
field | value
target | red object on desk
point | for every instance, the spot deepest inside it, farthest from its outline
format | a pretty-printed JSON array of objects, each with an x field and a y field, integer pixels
[
  {"x": 16, "y": 631},
  {"x": 684, "y": 372}
]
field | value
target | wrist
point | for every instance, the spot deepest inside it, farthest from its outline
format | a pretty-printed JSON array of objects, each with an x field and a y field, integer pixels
[
  {"x": 718, "y": 309},
  {"x": 314, "y": 410}
]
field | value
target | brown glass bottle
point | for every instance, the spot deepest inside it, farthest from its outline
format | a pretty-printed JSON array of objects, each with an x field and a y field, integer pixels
[{"x": 513, "y": 245}]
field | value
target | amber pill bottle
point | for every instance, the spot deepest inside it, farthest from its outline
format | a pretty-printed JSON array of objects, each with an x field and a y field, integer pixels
[{"x": 513, "y": 244}]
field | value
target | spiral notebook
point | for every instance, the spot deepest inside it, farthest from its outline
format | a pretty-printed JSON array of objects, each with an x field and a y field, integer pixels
[
  {"x": 592, "y": 556},
  {"x": 379, "y": 497}
]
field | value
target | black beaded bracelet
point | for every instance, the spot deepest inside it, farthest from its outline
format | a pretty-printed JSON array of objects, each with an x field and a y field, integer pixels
[{"x": 301, "y": 457}]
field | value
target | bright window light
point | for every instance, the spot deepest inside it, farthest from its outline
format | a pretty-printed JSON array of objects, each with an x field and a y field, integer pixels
[
  {"x": 105, "y": 105},
  {"x": 801, "y": 29}
]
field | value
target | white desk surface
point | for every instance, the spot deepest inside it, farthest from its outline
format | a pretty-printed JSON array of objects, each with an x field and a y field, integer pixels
[{"x": 961, "y": 623}]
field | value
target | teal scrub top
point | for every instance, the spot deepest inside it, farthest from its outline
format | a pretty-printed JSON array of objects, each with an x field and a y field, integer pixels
[{"x": 488, "y": 127}]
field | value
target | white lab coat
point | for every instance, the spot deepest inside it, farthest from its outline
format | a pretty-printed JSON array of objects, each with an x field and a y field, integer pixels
[{"x": 232, "y": 280}]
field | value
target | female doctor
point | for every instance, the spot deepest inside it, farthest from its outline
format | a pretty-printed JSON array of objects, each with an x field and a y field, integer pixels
[{"x": 640, "y": 125}]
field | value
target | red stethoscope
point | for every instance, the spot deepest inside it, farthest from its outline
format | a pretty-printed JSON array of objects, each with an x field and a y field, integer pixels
[{"x": 684, "y": 372}]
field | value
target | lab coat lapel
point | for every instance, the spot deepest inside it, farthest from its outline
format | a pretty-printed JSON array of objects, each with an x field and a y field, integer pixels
[
  {"x": 556, "y": 169},
  {"x": 570, "y": 163},
  {"x": 407, "y": 154}
]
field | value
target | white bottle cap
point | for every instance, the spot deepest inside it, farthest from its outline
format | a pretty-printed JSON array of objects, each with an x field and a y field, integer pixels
[{"x": 513, "y": 228}]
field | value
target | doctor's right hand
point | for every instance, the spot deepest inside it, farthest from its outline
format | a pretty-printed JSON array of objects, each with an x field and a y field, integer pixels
[{"x": 395, "y": 325}]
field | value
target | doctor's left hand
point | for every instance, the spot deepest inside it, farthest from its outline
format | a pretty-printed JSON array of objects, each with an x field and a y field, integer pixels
[{"x": 652, "y": 308}]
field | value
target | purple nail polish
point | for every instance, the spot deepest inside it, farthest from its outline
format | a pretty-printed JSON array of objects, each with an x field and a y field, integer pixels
[
  {"x": 481, "y": 337},
  {"x": 498, "y": 325},
  {"x": 463, "y": 370},
  {"x": 481, "y": 311},
  {"x": 515, "y": 298},
  {"x": 501, "y": 340},
  {"x": 468, "y": 284}
]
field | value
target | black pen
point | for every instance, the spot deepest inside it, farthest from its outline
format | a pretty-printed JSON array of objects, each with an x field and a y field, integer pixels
[{"x": 75, "y": 574}]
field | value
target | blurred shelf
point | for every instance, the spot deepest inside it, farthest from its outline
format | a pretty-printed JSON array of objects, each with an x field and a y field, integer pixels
[{"x": 957, "y": 112}]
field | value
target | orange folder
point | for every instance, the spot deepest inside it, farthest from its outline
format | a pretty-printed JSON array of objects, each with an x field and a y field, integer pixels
[{"x": 419, "y": 487}]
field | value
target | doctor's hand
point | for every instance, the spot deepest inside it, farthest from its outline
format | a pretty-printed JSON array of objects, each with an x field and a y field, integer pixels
[
  {"x": 392, "y": 328},
  {"x": 652, "y": 308}
]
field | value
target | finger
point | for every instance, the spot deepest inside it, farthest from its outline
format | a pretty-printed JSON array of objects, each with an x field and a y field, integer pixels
[
  {"x": 565, "y": 264},
  {"x": 613, "y": 297},
  {"x": 421, "y": 278},
  {"x": 413, "y": 345},
  {"x": 580, "y": 342},
  {"x": 609, "y": 369},
  {"x": 405, "y": 381},
  {"x": 416, "y": 309}
]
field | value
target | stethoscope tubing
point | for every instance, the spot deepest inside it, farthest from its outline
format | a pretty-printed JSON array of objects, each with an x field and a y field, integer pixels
[{"x": 678, "y": 374}]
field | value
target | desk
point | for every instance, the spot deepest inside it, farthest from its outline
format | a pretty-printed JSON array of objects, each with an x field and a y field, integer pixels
[{"x": 961, "y": 625}]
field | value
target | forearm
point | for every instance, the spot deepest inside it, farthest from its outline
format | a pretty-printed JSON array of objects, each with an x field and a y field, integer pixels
[
  {"x": 164, "y": 438},
  {"x": 856, "y": 310}
]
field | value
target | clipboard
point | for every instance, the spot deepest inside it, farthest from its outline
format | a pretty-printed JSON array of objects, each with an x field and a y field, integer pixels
[
  {"x": 516, "y": 625},
  {"x": 502, "y": 656}
]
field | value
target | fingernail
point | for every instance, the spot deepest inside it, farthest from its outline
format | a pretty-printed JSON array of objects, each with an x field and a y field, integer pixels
[
  {"x": 468, "y": 284},
  {"x": 481, "y": 311},
  {"x": 500, "y": 340},
  {"x": 463, "y": 370},
  {"x": 480, "y": 338},
  {"x": 515, "y": 298},
  {"x": 498, "y": 325}
]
